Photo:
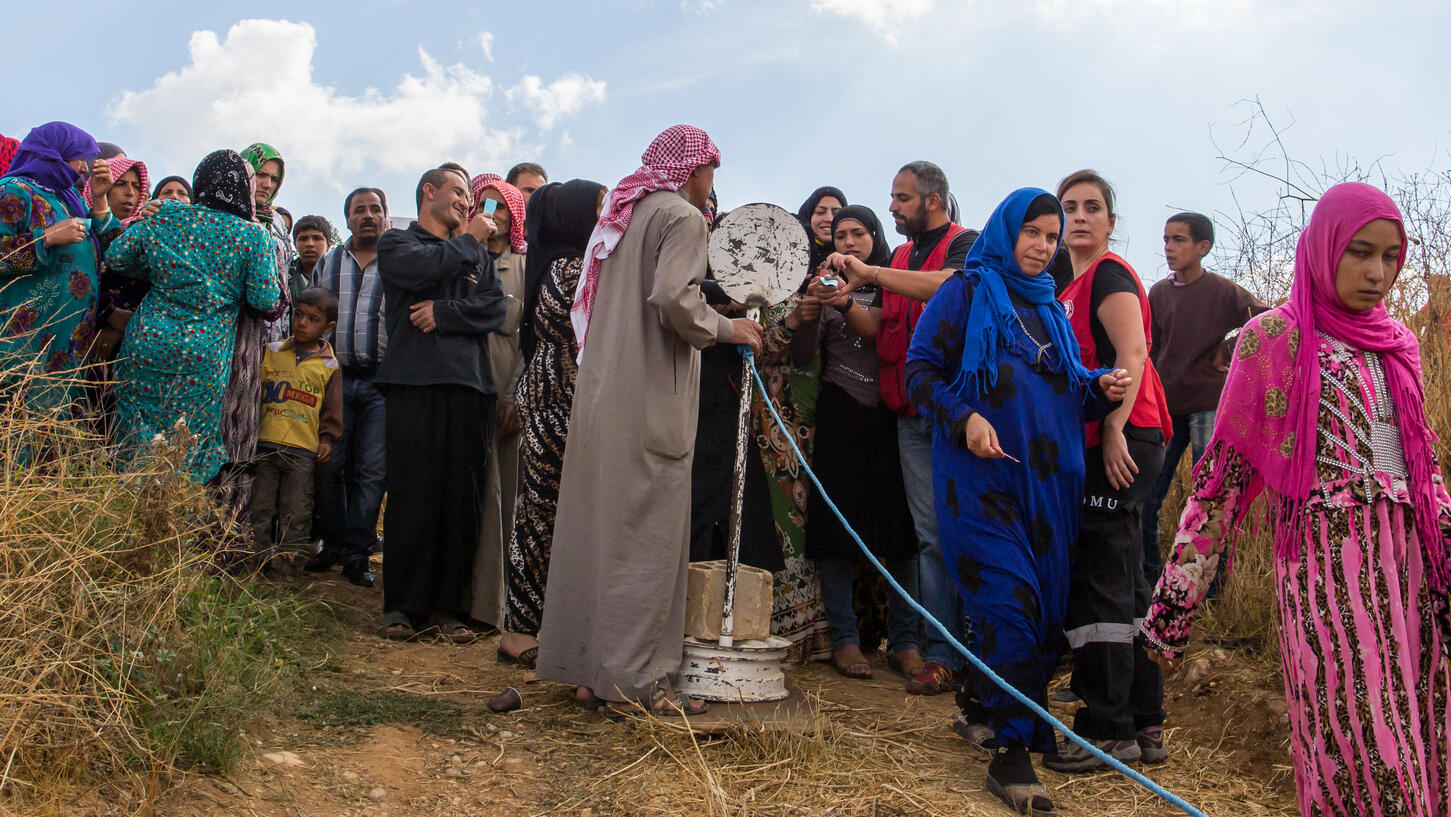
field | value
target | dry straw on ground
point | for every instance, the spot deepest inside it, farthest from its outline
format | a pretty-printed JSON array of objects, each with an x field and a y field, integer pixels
[{"x": 103, "y": 677}]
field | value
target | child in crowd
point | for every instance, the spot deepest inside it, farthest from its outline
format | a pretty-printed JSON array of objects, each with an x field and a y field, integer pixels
[
  {"x": 302, "y": 418},
  {"x": 312, "y": 237},
  {"x": 1193, "y": 311}
]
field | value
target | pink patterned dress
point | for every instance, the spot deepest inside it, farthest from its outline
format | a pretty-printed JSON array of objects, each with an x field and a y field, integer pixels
[{"x": 1362, "y": 638}]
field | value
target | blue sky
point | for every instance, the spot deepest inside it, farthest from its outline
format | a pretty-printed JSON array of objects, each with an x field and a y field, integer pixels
[{"x": 797, "y": 93}]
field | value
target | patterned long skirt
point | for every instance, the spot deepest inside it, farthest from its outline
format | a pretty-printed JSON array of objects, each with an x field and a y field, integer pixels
[
  {"x": 797, "y": 614},
  {"x": 1365, "y": 667}
]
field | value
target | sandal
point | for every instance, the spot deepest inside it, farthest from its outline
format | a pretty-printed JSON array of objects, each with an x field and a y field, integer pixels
[
  {"x": 455, "y": 630},
  {"x": 850, "y": 662},
  {"x": 1032, "y": 800},
  {"x": 396, "y": 627},
  {"x": 657, "y": 704},
  {"x": 591, "y": 703},
  {"x": 906, "y": 663},
  {"x": 526, "y": 659},
  {"x": 982, "y": 741},
  {"x": 1011, "y": 779}
]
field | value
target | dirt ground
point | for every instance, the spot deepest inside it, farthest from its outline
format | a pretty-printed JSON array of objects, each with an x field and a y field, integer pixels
[{"x": 401, "y": 729}]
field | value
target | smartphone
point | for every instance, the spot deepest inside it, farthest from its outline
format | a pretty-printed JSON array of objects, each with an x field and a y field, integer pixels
[{"x": 490, "y": 205}]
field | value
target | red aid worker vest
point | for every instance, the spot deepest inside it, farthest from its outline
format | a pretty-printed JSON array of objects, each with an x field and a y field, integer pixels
[
  {"x": 899, "y": 317},
  {"x": 1151, "y": 409}
]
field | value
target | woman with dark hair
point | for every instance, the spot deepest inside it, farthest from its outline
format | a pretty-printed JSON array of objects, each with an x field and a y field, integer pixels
[
  {"x": 507, "y": 247},
  {"x": 1122, "y": 691},
  {"x": 815, "y": 215},
  {"x": 255, "y": 328},
  {"x": 173, "y": 188},
  {"x": 269, "y": 170},
  {"x": 119, "y": 294},
  {"x": 560, "y": 219},
  {"x": 49, "y": 261},
  {"x": 995, "y": 364},
  {"x": 792, "y": 384},
  {"x": 856, "y": 456},
  {"x": 206, "y": 261}
]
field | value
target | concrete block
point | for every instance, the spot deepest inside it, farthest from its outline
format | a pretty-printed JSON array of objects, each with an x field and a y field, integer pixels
[{"x": 705, "y": 601}]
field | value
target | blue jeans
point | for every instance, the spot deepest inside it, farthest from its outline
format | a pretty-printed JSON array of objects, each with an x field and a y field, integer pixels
[
  {"x": 836, "y": 598},
  {"x": 1190, "y": 430},
  {"x": 937, "y": 592},
  {"x": 350, "y": 484}
]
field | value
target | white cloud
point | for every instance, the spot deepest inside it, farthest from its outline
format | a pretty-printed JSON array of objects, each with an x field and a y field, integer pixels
[
  {"x": 223, "y": 99},
  {"x": 886, "y": 17},
  {"x": 486, "y": 43},
  {"x": 1191, "y": 14},
  {"x": 558, "y": 100}
]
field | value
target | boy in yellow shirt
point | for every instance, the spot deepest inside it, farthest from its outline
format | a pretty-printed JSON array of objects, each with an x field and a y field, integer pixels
[{"x": 301, "y": 419}]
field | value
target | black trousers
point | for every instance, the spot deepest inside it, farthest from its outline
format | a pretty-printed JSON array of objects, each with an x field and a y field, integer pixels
[
  {"x": 1108, "y": 595},
  {"x": 437, "y": 440}
]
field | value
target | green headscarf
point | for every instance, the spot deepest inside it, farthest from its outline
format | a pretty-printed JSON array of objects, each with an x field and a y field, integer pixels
[{"x": 258, "y": 154}]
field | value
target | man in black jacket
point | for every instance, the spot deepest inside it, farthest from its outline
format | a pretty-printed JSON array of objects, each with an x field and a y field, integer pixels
[{"x": 443, "y": 300}]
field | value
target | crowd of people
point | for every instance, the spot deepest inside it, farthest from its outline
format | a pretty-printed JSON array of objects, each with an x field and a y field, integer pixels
[{"x": 542, "y": 379}]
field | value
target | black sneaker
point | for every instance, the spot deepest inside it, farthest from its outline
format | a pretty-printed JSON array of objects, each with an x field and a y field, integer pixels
[
  {"x": 320, "y": 563},
  {"x": 357, "y": 573}
]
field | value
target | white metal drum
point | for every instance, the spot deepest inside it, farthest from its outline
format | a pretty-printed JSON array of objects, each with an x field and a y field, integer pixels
[{"x": 745, "y": 672}]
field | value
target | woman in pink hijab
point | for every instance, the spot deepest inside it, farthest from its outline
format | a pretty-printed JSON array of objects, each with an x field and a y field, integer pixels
[{"x": 1323, "y": 413}]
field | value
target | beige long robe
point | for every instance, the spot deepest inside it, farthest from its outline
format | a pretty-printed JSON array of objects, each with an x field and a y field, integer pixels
[
  {"x": 614, "y": 605},
  {"x": 506, "y": 363}
]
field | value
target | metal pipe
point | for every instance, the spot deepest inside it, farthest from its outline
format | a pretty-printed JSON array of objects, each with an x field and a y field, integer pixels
[{"x": 738, "y": 488}]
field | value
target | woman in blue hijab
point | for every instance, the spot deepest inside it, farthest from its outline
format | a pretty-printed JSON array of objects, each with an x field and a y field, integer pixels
[
  {"x": 994, "y": 362},
  {"x": 49, "y": 261}
]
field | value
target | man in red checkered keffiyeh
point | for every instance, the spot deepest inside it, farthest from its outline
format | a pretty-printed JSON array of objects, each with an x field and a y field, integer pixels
[
  {"x": 666, "y": 165},
  {"x": 614, "y": 606}
]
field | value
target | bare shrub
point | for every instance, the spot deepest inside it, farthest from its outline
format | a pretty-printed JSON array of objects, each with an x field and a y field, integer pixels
[{"x": 1274, "y": 193}]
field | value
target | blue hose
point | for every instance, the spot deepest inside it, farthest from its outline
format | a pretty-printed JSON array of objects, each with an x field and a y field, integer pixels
[{"x": 1113, "y": 762}]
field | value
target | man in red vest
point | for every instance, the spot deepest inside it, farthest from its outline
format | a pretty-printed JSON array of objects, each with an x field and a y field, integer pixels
[{"x": 935, "y": 249}]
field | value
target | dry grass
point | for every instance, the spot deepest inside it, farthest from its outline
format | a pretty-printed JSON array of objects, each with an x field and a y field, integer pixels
[
  {"x": 120, "y": 648},
  {"x": 858, "y": 764}
]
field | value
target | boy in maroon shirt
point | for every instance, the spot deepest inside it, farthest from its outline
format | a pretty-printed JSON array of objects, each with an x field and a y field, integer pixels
[{"x": 1192, "y": 312}]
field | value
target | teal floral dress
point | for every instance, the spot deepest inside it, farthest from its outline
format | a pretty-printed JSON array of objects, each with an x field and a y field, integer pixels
[
  {"x": 47, "y": 294},
  {"x": 175, "y": 361}
]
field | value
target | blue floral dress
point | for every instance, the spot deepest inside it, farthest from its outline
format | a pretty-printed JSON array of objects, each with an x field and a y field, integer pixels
[
  {"x": 1006, "y": 526},
  {"x": 175, "y": 361},
  {"x": 47, "y": 294}
]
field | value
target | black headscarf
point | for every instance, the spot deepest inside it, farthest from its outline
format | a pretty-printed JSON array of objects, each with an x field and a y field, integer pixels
[
  {"x": 221, "y": 183},
  {"x": 156, "y": 192},
  {"x": 558, "y": 220},
  {"x": 819, "y": 251},
  {"x": 881, "y": 251}
]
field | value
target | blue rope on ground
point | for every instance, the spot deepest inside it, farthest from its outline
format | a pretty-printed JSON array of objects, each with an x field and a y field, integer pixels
[{"x": 1113, "y": 762}]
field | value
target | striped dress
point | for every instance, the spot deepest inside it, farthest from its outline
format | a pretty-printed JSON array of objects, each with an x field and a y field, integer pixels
[{"x": 1362, "y": 639}]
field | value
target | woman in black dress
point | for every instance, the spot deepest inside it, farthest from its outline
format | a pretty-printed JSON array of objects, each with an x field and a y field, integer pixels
[{"x": 560, "y": 218}]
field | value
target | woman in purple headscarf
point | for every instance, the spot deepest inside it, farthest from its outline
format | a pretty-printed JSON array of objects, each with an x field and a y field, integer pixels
[{"x": 49, "y": 260}]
